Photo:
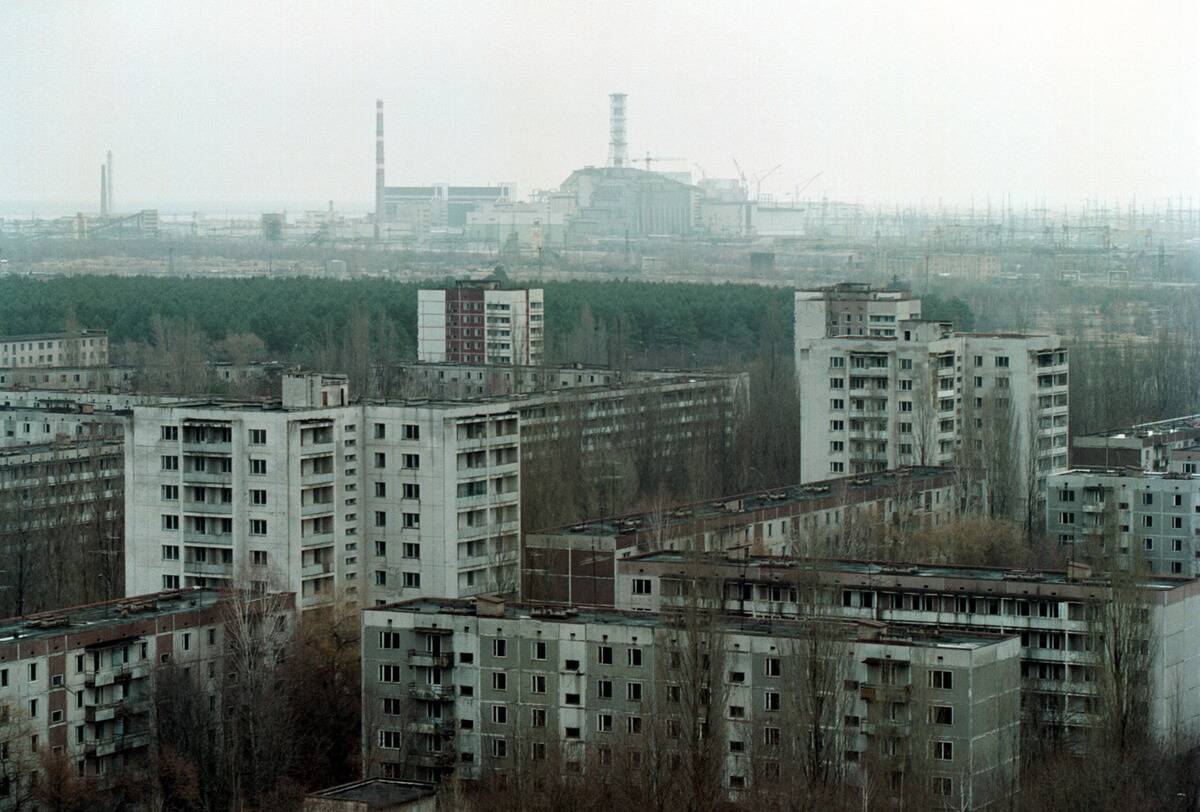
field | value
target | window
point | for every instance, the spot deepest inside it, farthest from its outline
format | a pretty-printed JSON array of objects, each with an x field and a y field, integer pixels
[
  {"x": 381, "y": 489},
  {"x": 412, "y": 432},
  {"x": 604, "y": 722},
  {"x": 499, "y": 647},
  {"x": 380, "y": 431},
  {"x": 33, "y": 672},
  {"x": 411, "y": 520},
  {"x": 941, "y": 715},
  {"x": 499, "y": 681},
  {"x": 381, "y": 518},
  {"x": 499, "y": 748},
  {"x": 943, "y": 751},
  {"x": 538, "y": 717},
  {"x": 412, "y": 580},
  {"x": 537, "y": 683},
  {"x": 1147, "y": 521},
  {"x": 771, "y": 701},
  {"x": 1067, "y": 518},
  {"x": 258, "y": 497},
  {"x": 634, "y": 657},
  {"x": 380, "y": 459},
  {"x": 943, "y": 786},
  {"x": 773, "y": 667},
  {"x": 571, "y": 699},
  {"x": 411, "y": 461},
  {"x": 537, "y": 650},
  {"x": 258, "y": 436},
  {"x": 604, "y": 655},
  {"x": 170, "y": 493},
  {"x": 258, "y": 467},
  {"x": 170, "y": 522},
  {"x": 1147, "y": 499},
  {"x": 634, "y": 725},
  {"x": 380, "y": 578},
  {"x": 170, "y": 462},
  {"x": 641, "y": 586},
  {"x": 170, "y": 552},
  {"x": 389, "y": 673},
  {"x": 170, "y": 582},
  {"x": 633, "y": 691},
  {"x": 258, "y": 558},
  {"x": 412, "y": 491},
  {"x": 411, "y": 550},
  {"x": 1002, "y": 361},
  {"x": 943, "y": 680},
  {"x": 170, "y": 432},
  {"x": 381, "y": 548},
  {"x": 604, "y": 689},
  {"x": 258, "y": 527}
]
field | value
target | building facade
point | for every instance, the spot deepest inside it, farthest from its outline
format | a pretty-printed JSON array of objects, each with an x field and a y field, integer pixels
[
  {"x": 910, "y": 392},
  {"x": 1153, "y": 517},
  {"x": 578, "y": 563},
  {"x": 86, "y": 348},
  {"x": 78, "y": 683},
  {"x": 479, "y": 323},
  {"x": 1145, "y": 446},
  {"x": 482, "y": 688},
  {"x": 320, "y": 497},
  {"x": 1057, "y": 615}
]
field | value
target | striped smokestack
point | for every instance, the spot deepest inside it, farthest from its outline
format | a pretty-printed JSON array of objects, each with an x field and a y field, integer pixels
[
  {"x": 103, "y": 191},
  {"x": 379, "y": 179}
]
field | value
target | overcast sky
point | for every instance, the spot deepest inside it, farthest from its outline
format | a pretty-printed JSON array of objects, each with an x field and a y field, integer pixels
[{"x": 242, "y": 103}]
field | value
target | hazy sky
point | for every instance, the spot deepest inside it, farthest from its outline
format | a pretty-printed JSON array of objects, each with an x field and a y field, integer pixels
[{"x": 238, "y": 103}]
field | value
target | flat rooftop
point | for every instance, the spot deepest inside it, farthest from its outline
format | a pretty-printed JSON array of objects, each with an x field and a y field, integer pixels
[
  {"x": 811, "y": 492},
  {"x": 1150, "y": 430},
  {"x": 921, "y": 636},
  {"x": 83, "y": 618},
  {"x": 11, "y": 454},
  {"x": 54, "y": 336},
  {"x": 1130, "y": 472},
  {"x": 884, "y": 569},
  {"x": 377, "y": 793}
]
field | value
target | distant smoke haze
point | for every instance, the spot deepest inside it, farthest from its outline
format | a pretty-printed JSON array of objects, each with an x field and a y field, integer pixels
[{"x": 242, "y": 106}]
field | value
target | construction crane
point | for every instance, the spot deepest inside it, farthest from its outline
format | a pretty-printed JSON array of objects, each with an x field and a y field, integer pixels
[
  {"x": 649, "y": 159},
  {"x": 758, "y": 180},
  {"x": 741, "y": 177},
  {"x": 807, "y": 183}
]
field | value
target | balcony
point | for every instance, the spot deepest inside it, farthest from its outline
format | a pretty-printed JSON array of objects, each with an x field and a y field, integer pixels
[
  {"x": 194, "y": 537},
  {"x": 209, "y": 508},
  {"x": 885, "y": 693},
  {"x": 121, "y": 743},
  {"x": 207, "y": 448},
  {"x": 318, "y": 449},
  {"x": 491, "y": 529},
  {"x": 207, "y": 477},
  {"x": 442, "y": 760},
  {"x": 316, "y": 570},
  {"x": 314, "y": 539},
  {"x": 208, "y": 568},
  {"x": 111, "y": 710},
  {"x": 886, "y": 727},
  {"x": 431, "y": 693},
  {"x": 428, "y": 659},
  {"x": 433, "y": 727},
  {"x": 317, "y": 478},
  {"x": 1093, "y": 507},
  {"x": 113, "y": 674}
]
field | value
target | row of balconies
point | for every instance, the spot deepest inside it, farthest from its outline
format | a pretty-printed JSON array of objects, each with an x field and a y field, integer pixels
[
  {"x": 120, "y": 707},
  {"x": 98, "y": 678},
  {"x": 428, "y": 659}
]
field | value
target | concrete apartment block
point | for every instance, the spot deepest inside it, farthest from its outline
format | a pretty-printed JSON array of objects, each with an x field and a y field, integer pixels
[
  {"x": 1151, "y": 516},
  {"x": 476, "y": 688},
  {"x": 479, "y": 323},
  {"x": 321, "y": 497},
  {"x": 1046, "y": 609},
  {"x": 885, "y": 393}
]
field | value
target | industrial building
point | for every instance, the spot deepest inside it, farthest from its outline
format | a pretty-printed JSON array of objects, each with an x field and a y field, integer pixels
[
  {"x": 578, "y": 563},
  {"x": 314, "y": 495},
  {"x": 419, "y": 212},
  {"x": 1055, "y": 614},
  {"x": 478, "y": 322},
  {"x": 881, "y": 388},
  {"x": 483, "y": 688}
]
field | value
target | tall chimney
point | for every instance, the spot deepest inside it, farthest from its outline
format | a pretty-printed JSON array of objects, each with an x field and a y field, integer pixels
[
  {"x": 103, "y": 190},
  {"x": 111, "y": 208},
  {"x": 616, "y": 129},
  {"x": 379, "y": 181}
]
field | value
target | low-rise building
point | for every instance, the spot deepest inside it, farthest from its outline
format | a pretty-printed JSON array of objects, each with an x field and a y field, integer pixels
[
  {"x": 1146, "y": 446},
  {"x": 484, "y": 688},
  {"x": 84, "y": 348},
  {"x": 374, "y": 795},
  {"x": 578, "y": 563}
]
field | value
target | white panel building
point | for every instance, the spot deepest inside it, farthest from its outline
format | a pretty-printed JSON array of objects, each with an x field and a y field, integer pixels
[
  {"x": 318, "y": 496},
  {"x": 479, "y": 323}
]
